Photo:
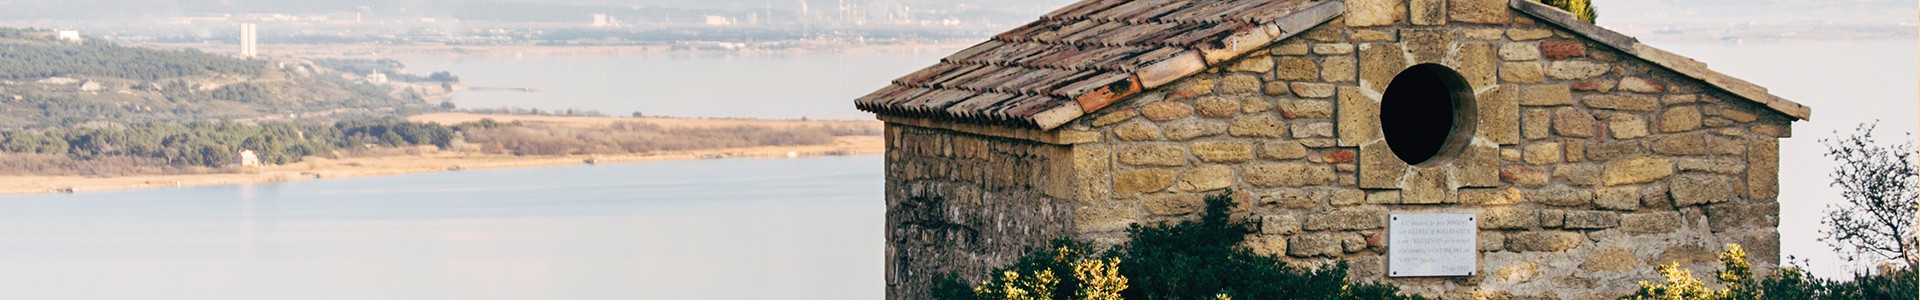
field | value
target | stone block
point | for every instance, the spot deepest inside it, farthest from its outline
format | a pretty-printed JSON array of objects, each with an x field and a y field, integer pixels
[
  {"x": 1689, "y": 190},
  {"x": 1484, "y": 34},
  {"x": 1519, "y": 51},
  {"x": 1296, "y": 69},
  {"x": 1615, "y": 149},
  {"x": 1223, "y": 152},
  {"x": 1279, "y": 224},
  {"x": 1267, "y": 245},
  {"x": 1256, "y": 126},
  {"x": 1153, "y": 155},
  {"x": 1500, "y": 115},
  {"x": 1188, "y": 129},
  {"x": 1591, "y": 219},
  {"x": 1249, "y": 105},
  {"x": 1292, "y": 174},
  {"x": 1628, "y": 102},
  {"x": 1641, "y": 85},
  {"x": 1428, "y": 185},
  {"x": 1333, "y": 49},
  {"x": 1290, "y": 48},
  {"x": 1536, "y": 123},
  {"x": 1252, "y": 64},
  {"x": 1711, "y": 165},
  {"x": 1379, "y": 168},
  {"x": 1625, "y": 198},
  {"x": 1427, "y": 12},
  {"x": 1314, "y": 109},
  {"x": 1193, "y": 87},
  {"x": 1637, "y": 170},
  {"x": 1562, "y": 197},
  {"x": 1346, "y": 197},
  {"x": 1477, "y": 166},
  {"x": 1567, "y": 121},
  {"x": 1542, "y": 153},
  {"x": 1763, "y": 169},
  {"x": 1594, "y": 85},
  {"x": 1650, "y": 223},
  {"x": 1684, "y": 118},
  {"x": 1166, "y": 110},
  {"x": 1528, "y": 34},
  {"x": 1478, "y": 11},
  {"x": 1427, "y": 44},
  {"x": 1576, "y": 70},
  {"x": 1475, "y": 62},
  {"x": 1313, "y": 130},
  {"x": 1358, "y": 117},
  {"x": 1577, "y": 174},
  {"x": 1206, "y": 178},
  {"x": 1140, "y": 181},
  {"x": 1625, "y": 126},
  {"x": 1490, "y": 197},
  {"x": 1522, "y": 72},
  {"x": 1352, "y": 218},
  {"x": 1173, "y": 204},
  {"x": 1379, "y": 63},
  {"x": 1543, "y": 241},
  {"x": 1293, "y": 199},
  {"x": 1563, "y": 49},
  {"x": 1240, "y": 84},
  {"x": 1313, "y": 90},
  {"x": 1524, "y": 175},
  {"x": 1282, "y": 150},
  {"x": 1508, "y": 217},
  {"x": 1383, "y": 197},
  {"x": 1610, "y": 260},
  {"x": 1362, "y": 13},
  {"x": 1138, "y": 131},
  {"x": 1553, "y": 218},
  {"x": 1732, "y": 216},
  {"x": 1115, "y": 117},
  {"x": 1697, "y": 143},
  {"x": 1217, "y": 107},
  {"x": 1337, "y": 68},
  {"x": 1313, "y": 245},
  {"x": 1546, "y": 95}
]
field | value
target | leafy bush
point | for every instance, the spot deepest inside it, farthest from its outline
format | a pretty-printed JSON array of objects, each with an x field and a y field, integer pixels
[
  {"x": 1791, "y": 283},
  {"x": 1579, "y": 8},
  {"x": 1192, "y": 260}
]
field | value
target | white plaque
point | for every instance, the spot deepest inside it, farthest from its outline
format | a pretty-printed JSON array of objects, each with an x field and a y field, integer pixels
[{"x": 1427, "y": 245}]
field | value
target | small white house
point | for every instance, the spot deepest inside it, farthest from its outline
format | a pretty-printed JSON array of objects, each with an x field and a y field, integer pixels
[{"x": 249, "y": 159}]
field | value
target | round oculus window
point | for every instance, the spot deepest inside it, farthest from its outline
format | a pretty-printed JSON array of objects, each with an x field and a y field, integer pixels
[{"x": 1427, "y": 114}]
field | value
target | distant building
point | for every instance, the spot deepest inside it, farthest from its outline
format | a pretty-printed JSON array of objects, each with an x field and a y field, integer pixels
[
  {"x": 248, "y": 158},
  {"x": 719, "y": 21},
  {"x": 249, "y": 40},
  {"x": 90, "y": 86},
  {"x": 377, "y": 78},
  {"x": 601, "y": 20},
  {"x": 70, "y": 36}
]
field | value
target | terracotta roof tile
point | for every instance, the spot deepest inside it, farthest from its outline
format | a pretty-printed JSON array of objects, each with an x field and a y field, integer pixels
[{"x": 1081, "y": 57}]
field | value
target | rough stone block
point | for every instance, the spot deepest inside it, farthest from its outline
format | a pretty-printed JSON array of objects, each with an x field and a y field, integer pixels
[
  {"x": 1536, "y": 123},
  {"x": 1282, "y": 150},
  {"x": 1223, "y": 152},
  {"x": 1194, "y": 128},
  {"x": 1610, "y": 260},
  {"x": 1206, "y": 178},
  {"x": 1297, "y": 69},
  {"x": 1641, "y": 85},
  {"x": 1625, "y": 126},
  {"x": 1562, "y": 197},
  {"x": 1217, "y": 107},
  {"x": 1543, "y": 241},
  {"x": 1763, "y": 169},
  {"x": 1313, "y": 245},
  {"x": 1546, "y": 95},
  {"x": 1292, "y": 199},
  {"x": 1575, "y": 70},
  {"x": 1279, "y": 224},
  {"x": 1524, "y": 175},
  {"x": 1528, "y": 34},
  {"x": 1567, "y": 121},
  {"x": 1563, "y": 49},
  {"x": 1731, "y": 216},
  {"x": 1689, "y": 190},
  {"x": 1589, "y": 219},
  {"x": 1508, "y": 217},
  {"x": 1153, "y": 155},
  {"x": 1268, "y": 245},
  {"x": 1490, "y": 197},
  {"x": 1627, "y": 102},
  {"x": 1358, "y": 117},
  {"x": 1428, "y": 185},
  {"x": 1173, "y": 204},
  {"x": 1166, "y": 110},
  {"x": 1379, "y": 63},
  {"x": 1256, "y": 126},
  {"x": 1137, "y": 131},
  {"x": 1519, "y": 51},
  {"x": 1478, "y": 11},
  {"x": 1522, "y": 72},
  {"x": 1542, "y": 153},
  {"x": 1379, "y": 168},
  {"x": 1500, "y": 115},
  {"x": 1577, "y": 174},
  {"x": 1314, "y": 109},
  {"x": 1362, "y": 13},
  {"x": 1353, "y": 218},
  {"x": 1625, "y": 198},
  {"x": 1240, "y": 84},
  {"x": 1252, "y": 64},
  {"x": 1133, "y": 182},
  {"x": 1288, "y": 174},
  {"x": 1313, "y": 90},
  {"x": 1650, "y": 223},
  {"x": 1637, "y": 170},
  {"x": 1427, "y": 12},
  {"x": 1477, "y": 166},
  {"x": 1475, "y": 62}
]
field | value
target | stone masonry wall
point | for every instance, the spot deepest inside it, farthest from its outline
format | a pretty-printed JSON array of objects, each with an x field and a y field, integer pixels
[
  {"x": 1607, "y": 165},
  {"x": 964, "y": 204}
]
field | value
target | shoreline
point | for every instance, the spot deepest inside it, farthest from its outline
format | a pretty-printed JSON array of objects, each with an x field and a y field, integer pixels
[{"x": 437, "y": 161}]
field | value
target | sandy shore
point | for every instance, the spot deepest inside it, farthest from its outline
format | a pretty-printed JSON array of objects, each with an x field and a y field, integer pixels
[{"x": 440, "y": 161}]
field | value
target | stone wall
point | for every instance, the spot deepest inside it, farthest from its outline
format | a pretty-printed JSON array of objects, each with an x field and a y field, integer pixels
[
  {"x": 960, "y": 203},
  {"x": 1602, "y": 166}
]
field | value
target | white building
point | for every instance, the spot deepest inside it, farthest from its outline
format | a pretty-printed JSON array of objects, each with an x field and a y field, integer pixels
[
  {"x": 249, "y": 40},
  {"x": 70, "y": 36}
]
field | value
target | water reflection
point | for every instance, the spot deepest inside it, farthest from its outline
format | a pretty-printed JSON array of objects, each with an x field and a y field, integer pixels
[{"x": 744, "y": 228}]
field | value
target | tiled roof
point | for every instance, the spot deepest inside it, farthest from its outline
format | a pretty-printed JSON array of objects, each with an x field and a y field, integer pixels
[{"x": 1085, "y": 56}]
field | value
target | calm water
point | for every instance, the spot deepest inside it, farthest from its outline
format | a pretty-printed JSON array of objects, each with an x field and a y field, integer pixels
[
  {"x": 805, "y": 228},
  {"x": 815, "y": 85}
]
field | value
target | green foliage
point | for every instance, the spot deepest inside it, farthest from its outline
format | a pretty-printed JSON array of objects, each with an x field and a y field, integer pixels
[
  {"x": 1579, "y": 8},
  {"x": 1790, "y": 283},
  {"x": 1191, "y": 260},
  {"x": 41, "y": 58}
]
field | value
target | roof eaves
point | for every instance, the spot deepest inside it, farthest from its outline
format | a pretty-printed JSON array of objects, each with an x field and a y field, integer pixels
[{"x": 1679, "y": 64}]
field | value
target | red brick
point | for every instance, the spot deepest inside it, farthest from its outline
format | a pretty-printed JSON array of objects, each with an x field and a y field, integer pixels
[{"x": 1563, "y": 49}]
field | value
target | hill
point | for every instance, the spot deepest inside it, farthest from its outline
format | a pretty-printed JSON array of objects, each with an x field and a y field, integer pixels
[{"x": 46, "y": 81}]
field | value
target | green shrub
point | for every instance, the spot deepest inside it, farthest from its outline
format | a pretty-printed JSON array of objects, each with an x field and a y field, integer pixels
[
  {"x": 1191, "y": 260},
  {"x": 1791, "y": 283}
]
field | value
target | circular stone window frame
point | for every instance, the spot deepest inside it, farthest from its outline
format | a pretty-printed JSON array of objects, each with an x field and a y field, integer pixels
[
  {"x": 1462, "y": 115},
  {"x": 1476, "y": 164}
]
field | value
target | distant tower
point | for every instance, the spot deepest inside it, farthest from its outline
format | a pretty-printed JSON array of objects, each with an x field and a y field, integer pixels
[
  {"x": 249, "y": 40},
  {"x": 601, "y": 20}
]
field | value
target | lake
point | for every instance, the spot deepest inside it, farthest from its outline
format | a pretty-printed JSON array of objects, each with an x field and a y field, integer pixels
[{"x": 806, "y": 228}]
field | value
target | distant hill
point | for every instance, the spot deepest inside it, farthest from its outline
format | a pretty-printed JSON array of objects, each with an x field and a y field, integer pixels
[{"x": 45, "y": 81}]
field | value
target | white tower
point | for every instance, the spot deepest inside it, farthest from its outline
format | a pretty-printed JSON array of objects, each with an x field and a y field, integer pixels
[{"x": 249, "y": 40}]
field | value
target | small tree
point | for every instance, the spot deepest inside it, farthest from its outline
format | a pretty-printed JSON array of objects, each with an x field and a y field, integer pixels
[{"x": 1879, "y": 184}]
